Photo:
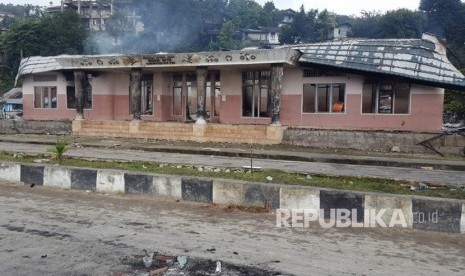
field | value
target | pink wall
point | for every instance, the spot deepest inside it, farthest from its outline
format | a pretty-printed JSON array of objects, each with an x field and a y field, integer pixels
[
  {"x": 420, "y": 119},
  {"x": 59, "y": 113},
  {"x": 111, "y": 102}
]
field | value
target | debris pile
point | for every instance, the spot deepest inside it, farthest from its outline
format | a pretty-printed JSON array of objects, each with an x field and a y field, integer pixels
[
  {"x": 420, "y": 186},
  {"x": 157, "y": 264}
]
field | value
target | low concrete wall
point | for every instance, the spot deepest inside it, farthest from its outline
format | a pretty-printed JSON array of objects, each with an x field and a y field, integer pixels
[
  {"x": 256, "y": 134},
  {"x": 432, "y": 214},
  {"x": 372, "y": 140},
  {"x": 35, "y": 127}
]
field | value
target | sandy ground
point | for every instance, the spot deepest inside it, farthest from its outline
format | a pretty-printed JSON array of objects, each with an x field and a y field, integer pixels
[{"x": 46, "y": 231}]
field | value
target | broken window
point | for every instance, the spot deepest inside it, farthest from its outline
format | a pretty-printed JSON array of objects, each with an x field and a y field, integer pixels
[
  {"x": 147, "y": 95},
  {"x": 386, "y": 98},
  {"x": 185, "y": 94},
  {"x": 45, "y": 97},
  {"x": 177, "y": 94},
  {"x": 71, "y": 96},
  {"x": 324, "y": 98},
  {"x": 191, "y": 83},
  {"x": 213, "y": 94},
  {"x": 256, "y": 93}
]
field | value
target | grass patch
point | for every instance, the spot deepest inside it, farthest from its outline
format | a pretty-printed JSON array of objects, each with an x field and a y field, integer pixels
[{"x": 363, "y": 184}]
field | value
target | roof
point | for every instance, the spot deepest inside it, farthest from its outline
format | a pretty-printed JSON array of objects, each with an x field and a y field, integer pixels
[
  {"x": 35, "y": 65},
  {"x": 15, "y": 93},
  {"x": 38, "y": 64},
  {"x": 422, "y": 60},
  {"x": 13, "y": 101}
]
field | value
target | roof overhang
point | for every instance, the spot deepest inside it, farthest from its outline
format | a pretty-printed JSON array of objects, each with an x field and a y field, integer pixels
[
  {"x": 384, "y": 76},
  {"x": 35, "y": 65}
]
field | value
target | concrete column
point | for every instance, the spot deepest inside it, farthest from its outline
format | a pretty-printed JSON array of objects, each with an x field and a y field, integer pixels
[
  {"x": 201, "y": 94},
  {"x": 276, "y": 89},
  {"x": 136, "y": 93},
  {"x": 79, "y": 93}
]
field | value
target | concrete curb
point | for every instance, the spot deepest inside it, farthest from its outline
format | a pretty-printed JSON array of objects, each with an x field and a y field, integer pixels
[
  {"x": 287, "y": 156},
  {"x": 424, "y": 213}
]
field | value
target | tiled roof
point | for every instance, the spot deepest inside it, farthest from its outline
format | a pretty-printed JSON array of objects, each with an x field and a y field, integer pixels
[{"x": 423, "y": 60}]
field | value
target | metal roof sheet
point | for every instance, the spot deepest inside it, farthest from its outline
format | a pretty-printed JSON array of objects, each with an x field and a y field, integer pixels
[{"x": 424, "y": 60}]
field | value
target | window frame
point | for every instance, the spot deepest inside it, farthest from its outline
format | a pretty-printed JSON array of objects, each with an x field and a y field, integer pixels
[
  {"x": 42, "y": 100},
  {"x": 331, "y": 103},
  {"x": 376, "y": 98},
  {"x": 261, "y": 83}
]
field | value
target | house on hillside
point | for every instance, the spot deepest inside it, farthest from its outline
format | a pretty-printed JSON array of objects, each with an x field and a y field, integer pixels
[
  {"x": 249, "y": 96},
  {"x": 288, "y": 16},
  {"x": 11, "y": 104},
  {"x": 341, "y": 31},
  {"x": 262, "y": 35},
  {"x": 94, "y": 13}
]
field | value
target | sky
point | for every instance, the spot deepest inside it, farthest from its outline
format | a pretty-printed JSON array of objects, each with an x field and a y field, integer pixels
[{"x": 347, "y": 7}]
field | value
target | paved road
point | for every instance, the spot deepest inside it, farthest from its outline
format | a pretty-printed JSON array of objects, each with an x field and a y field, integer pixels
[
  {"x": 89, "y": 234},
  {"x": 439, "y": 176}
]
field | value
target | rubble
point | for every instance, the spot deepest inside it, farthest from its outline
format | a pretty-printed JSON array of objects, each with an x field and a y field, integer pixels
[{"x": 157, "y": 264}]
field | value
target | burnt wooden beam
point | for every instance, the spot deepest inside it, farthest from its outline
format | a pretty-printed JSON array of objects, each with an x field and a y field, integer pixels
[
  {"x": 201, "y": 73},
  {"x": 136, "y": 93},
  {"x": 276, "y": 89},
  {"x": 79, "y": 87}
]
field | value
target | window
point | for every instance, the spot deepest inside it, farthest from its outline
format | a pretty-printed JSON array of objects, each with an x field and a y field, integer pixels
[
  {"x": 386, "y": 98},
  {"x": 147, "y": 95},
  {"x": 323, "y": 98},
  {"x": 256, "y": 93},
  {"x": 45, "y": 97},
  {"x": 71, "y": 97},
  {"x": 177, "y": 95},
  {"x": 212, "y": 100}
]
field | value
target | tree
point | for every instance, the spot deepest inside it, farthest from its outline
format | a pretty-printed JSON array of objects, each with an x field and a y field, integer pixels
[
  {"x": 269, "y": 15},
  {"x": 51, "y": 35},
  {"x": 226, "y": 37},
  {"x": 368, "y": 25},
  {"x": 243, "y": 13},
  {"x": 325, "y": 23},
  {"x": 403, "y": 23}
]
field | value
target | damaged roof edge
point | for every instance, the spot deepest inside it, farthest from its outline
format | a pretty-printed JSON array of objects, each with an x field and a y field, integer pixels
[
  {"x": 420, "y": 60},
  {"x": 379, "y": 75},
  {"x": 33, "y": 65}
]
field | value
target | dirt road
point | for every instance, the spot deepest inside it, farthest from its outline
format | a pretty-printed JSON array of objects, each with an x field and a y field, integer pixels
[
  {"x": 53, "y": 232},
  {"x": 438, "y": 176}
]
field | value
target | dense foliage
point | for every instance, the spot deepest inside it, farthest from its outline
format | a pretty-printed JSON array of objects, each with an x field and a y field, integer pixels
[{"x": 51, "y": 35}]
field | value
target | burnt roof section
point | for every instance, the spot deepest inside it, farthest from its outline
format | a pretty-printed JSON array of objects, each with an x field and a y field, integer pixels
[{"x": 419, "y": 60}]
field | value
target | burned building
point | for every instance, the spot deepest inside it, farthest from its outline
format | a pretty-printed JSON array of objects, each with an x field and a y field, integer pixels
[{"x": 246, "y": 96}]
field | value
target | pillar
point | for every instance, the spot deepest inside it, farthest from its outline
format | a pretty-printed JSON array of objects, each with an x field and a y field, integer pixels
[
  {"x": 79, "y": 93},
  {"x": 276, "y": 89},
  {"x": 201, "y": 73},
  {"x": 136, "y": 93}
]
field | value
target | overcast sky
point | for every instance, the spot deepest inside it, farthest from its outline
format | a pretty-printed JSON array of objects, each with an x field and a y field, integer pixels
[{"x": 347, "y": 7}]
